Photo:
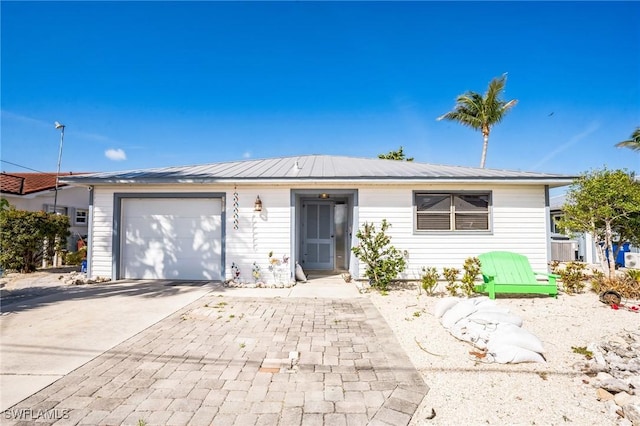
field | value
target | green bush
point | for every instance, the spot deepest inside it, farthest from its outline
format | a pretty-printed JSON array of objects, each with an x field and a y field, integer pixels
[
  {"x": 383, "y": 261},
  {"x": 451, "y": 275},
  {"x": 26, "y": 237},
  {"x": 471, "y": 270},
  {"x": 429, "y": 280},
  {"x": 573, "y": 277},
  {"x": 75, "y": 257},
  {"x": 627, "y": 285}
]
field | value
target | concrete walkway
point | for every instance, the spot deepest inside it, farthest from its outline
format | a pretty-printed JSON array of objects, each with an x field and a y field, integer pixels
[{"x": 230, "y": 357}]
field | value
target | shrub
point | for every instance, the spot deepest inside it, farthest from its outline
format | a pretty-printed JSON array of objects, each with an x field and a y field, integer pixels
[
  {"x": 573, "y": 277},
  {"x": 471, "y": 270},
  {"x": 26, "y": 237},
  {"x": 429, "y": 280},
  {"x": 451, "y": 275},
  {"x": 626, "y": 285},
  {"x": 383, "y": 261},
  {"x": 76, "y": 257}
]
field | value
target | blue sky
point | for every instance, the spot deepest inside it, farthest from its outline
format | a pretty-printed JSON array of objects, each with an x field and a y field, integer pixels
[{"x": 154, "y": 84}]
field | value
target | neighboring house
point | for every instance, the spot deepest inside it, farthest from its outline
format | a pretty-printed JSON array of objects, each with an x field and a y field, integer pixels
[
  {"x": 194, "y": 222},
  {"x": 36, "y": 191},
  {"x": 580, "y": 245},
  {"x": 567, "y": 248}
]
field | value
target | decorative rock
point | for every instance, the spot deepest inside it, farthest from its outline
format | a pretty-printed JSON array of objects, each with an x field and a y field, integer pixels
[
  {"x": 622, "y": 399},
  {"x": 624, "y": 422},
  {"x": 612, "y": 409},
  {"x": 634, "y": 381},
  {"x": 604, "y": 395},
  {"x": 615, "y": 385},
  {"x": 632, "y": 413}
]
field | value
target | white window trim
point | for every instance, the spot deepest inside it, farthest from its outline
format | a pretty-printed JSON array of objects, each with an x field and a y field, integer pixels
[
  {"x": 85, "y": 217},
  {"x": 453, "y": 213}
]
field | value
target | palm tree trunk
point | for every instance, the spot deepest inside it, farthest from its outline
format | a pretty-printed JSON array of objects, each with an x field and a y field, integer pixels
[{"x": 485, "y": 145}]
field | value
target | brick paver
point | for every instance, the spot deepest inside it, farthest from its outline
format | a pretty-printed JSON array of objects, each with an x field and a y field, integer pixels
[{"x": 243, "y": 361}]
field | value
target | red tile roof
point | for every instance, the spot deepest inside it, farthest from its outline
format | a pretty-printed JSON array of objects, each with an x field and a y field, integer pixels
[{"x": 28, "y": 183}]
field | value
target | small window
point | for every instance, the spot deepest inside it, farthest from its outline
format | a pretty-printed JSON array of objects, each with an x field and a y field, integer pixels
[
  {"x": 554, "y": 224},
  {"x": 62, "y": 210},
  {"x": 82, "y": 216},
  {"x": 452, "y": 211}
]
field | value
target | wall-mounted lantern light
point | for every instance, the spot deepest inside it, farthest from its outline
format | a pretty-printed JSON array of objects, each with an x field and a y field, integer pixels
[
  {"x": 324, "y": 196},
  {"x": 257, "y": 207}
]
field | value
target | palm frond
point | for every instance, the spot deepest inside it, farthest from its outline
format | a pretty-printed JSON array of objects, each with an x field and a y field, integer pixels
[{"x": 633, "y": 143}]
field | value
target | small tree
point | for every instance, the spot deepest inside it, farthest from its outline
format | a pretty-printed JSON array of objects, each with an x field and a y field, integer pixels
[
  {"x": 25, "y": 237},
  {"x": 383, "y": 261},
  {"x": 606, "y": 204},
  {"x": 395, "y": 155},
  {"x": 429, "y": 279}
]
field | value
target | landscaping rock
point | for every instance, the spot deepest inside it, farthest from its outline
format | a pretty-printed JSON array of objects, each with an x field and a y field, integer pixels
[{"x": 632, "y": 413}]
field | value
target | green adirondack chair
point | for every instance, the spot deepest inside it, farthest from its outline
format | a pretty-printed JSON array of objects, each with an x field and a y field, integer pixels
[{"x": 507, "y": 272}]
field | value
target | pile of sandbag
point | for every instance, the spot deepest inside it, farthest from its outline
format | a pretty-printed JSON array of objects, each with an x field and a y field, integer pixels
[{"x": 490, "y": 328}]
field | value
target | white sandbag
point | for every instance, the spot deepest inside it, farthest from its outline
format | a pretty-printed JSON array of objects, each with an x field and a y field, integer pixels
[
  {"x": 471, "y": 332},
  {"x": 495, "y": 317},
  {"x": 509, "y": 334},
  {"x": 510, "y": 354},
  {"x": 444, "y": 305},
  {"x": 481, "y": 300},
  {"x": 300, "y": 276},
  {"x": 486, "y": 303},
  {"x": 462, "y": 309}
]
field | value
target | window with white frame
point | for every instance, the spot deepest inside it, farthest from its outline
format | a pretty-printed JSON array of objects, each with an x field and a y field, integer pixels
[
  {"x": 62, "y": 210},
  {"x": 82, "y": 216},
  {"x": 456, "y": 211}
]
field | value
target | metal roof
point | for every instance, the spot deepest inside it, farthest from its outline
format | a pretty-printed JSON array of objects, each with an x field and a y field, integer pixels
[{"x": 312, "y": 168}]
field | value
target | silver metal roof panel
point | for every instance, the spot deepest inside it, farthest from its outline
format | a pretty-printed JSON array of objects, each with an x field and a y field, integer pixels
[{"x": 312, "y": 167}]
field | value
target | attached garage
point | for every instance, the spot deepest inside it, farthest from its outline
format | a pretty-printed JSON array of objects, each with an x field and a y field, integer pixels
[{"x": 169, "y": 236}]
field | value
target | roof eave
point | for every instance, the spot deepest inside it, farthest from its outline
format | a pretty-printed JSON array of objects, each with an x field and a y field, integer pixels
[{"x": 551, "y": 181}]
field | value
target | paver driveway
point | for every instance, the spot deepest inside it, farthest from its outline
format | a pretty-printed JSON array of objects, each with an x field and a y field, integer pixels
[{"x": 243, "y": 361}]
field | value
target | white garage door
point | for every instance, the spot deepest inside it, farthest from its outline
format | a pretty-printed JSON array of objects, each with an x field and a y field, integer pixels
[{"x": 171, "y": 238}]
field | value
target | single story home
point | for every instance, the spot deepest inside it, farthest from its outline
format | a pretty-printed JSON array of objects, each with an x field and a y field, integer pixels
[
  {"x": 246, "y": 219},
  {"x": 37, "y": 192}
]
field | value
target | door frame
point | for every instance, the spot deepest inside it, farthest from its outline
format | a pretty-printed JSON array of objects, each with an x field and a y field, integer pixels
[{"x": 349, "y": 196}]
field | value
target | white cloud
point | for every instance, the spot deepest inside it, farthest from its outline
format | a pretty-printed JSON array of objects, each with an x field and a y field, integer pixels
[
  {"x": 115, "y": 154},
  {"x": 246, "y": 155}
]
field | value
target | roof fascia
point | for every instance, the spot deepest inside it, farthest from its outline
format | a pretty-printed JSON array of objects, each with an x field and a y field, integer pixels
[{"x": 551, "y": 181}]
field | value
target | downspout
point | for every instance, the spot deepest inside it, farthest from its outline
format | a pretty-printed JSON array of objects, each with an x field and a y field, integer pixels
[
  {"x": 90, "y": 233},
  {"x": 547, "y": 221}
]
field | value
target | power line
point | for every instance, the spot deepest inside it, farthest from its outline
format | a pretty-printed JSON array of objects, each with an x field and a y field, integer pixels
[{"x": 24, "y": 167}]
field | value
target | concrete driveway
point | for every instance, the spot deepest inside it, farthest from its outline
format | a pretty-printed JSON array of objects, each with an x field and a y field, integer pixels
[
  {"x": 174, "y": 353},
  {"x": 44, "y": 338}
]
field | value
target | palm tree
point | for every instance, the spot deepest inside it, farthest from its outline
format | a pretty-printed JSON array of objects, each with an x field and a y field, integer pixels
[
  {"x": 633, "y": 143},
  {"x": 481, "y": 112}
]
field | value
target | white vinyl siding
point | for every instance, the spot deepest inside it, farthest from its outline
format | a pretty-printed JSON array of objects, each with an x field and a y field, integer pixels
[
  {"x": 257, "y": 233},
  {"x": 517, "y": 224}
]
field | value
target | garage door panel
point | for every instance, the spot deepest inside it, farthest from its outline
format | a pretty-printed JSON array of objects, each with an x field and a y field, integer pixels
[{"x": 169, "y": 238}]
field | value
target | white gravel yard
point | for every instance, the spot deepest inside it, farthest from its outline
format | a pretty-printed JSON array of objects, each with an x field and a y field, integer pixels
[{"x": 465, "y": 391}]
